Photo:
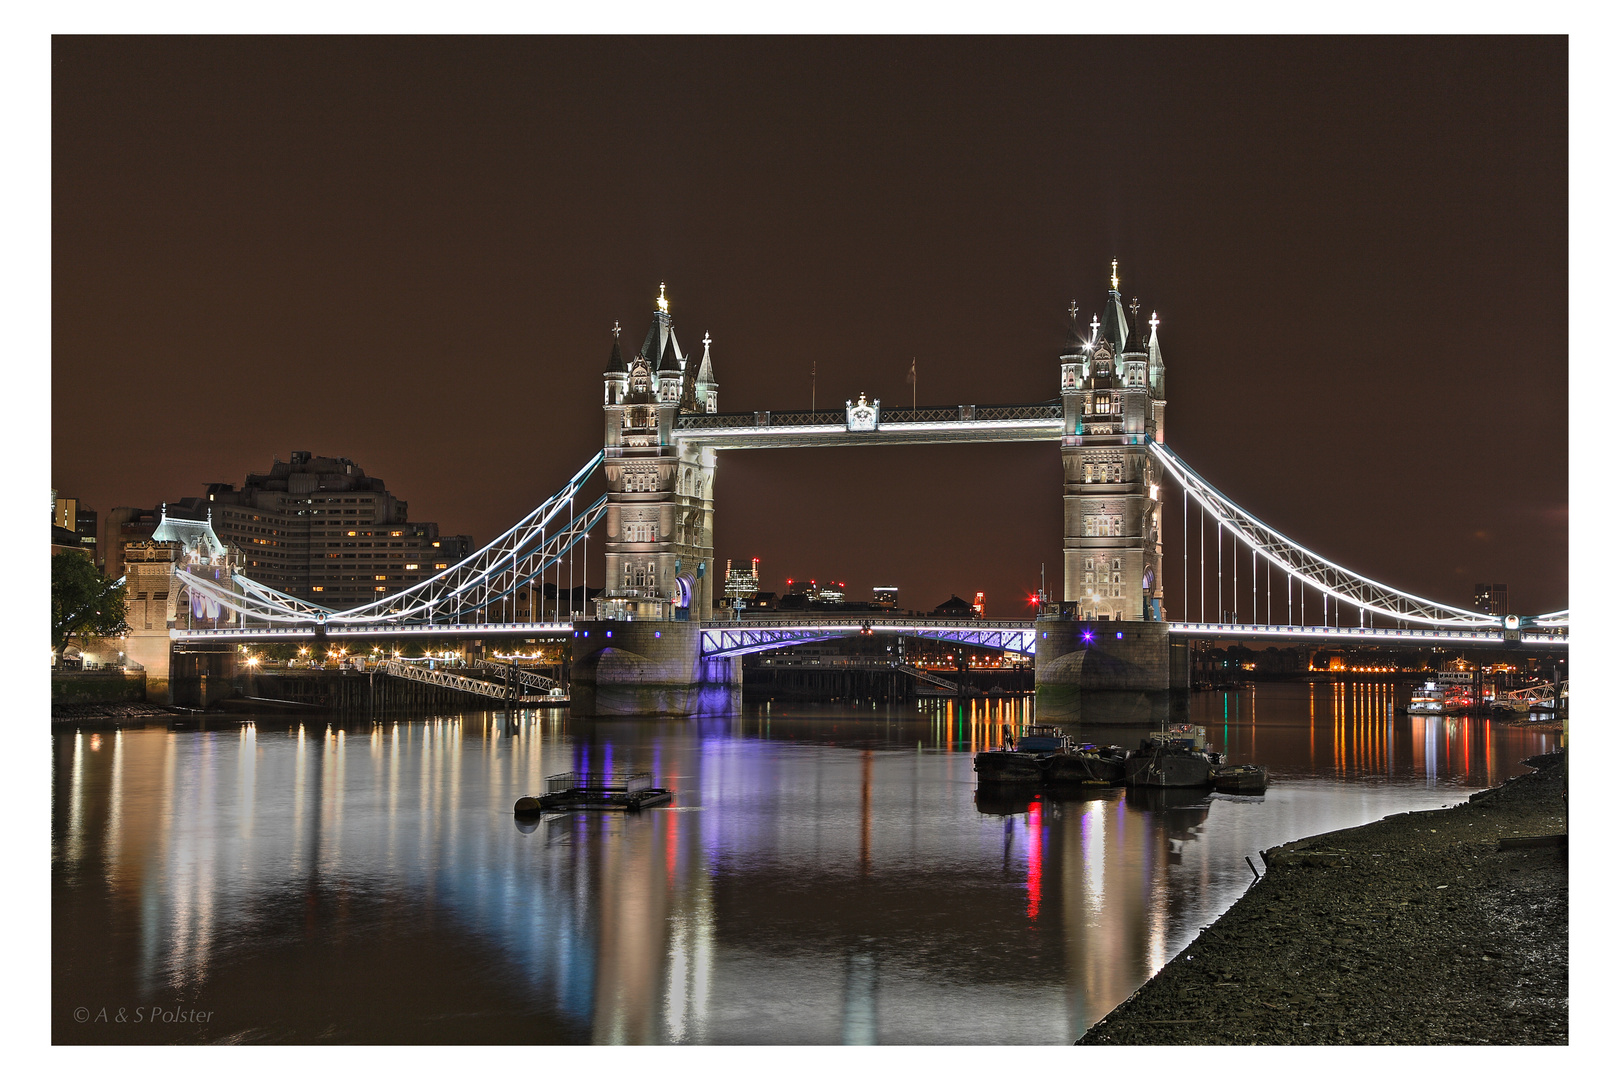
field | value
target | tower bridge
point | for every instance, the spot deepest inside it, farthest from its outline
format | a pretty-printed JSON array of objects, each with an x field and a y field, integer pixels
[{"x": 651, "y": 646}]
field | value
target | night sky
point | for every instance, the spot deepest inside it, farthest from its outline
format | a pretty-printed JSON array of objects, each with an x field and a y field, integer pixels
[{"x": 410, "y": 252}]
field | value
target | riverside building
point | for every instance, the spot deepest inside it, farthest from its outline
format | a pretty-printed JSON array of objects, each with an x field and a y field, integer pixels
[{"x": 320, "y": 529}]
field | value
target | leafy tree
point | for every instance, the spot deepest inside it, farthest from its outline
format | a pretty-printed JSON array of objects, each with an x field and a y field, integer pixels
[{"x": 83, "y": 600}]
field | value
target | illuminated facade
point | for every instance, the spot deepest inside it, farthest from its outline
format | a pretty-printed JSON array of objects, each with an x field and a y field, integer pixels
[
  {"x": 660, "y": 517},
  {"x": 320, "y": 529},
  {"x": 1113, "y": 407}
]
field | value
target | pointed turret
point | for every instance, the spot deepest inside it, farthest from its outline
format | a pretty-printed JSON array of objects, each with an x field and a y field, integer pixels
[
  {"x": 616, "y": 379},
  {"x": 1075, "y": 345},
  {"x": 1134, "y": 342},
  {"x": 669, "y": 373},
  {"x": 1155, "y": 360},
  {"x": 707, "y": 388},
  {"x": 1114, "y": 327},
  {"x": 670, "y": 361}
]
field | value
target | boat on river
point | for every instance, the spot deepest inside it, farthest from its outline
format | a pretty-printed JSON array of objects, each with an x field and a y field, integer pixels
[
  {"x": 586, "y": 791},
  {"x": 1427, "y": 700},
  {"x": 1436, "y": 698},
  {"x": 1246, "y": 779},
  {"x": 1174, "y": 757},
  {"x": 1045, "y": 754}
]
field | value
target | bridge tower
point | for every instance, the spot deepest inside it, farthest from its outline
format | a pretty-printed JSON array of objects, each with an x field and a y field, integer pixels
[
  {"x": 1113, "y": 406},
  {"x": 660, "y": 516}
]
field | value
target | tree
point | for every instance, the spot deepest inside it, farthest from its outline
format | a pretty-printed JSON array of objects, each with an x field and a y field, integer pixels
[{"x": 83, "y": 600}]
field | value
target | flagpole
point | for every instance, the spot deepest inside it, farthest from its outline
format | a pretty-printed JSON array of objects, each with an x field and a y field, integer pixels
[{"x": 812, "y": 386}]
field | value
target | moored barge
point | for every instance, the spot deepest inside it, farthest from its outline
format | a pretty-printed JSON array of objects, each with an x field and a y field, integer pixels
[{"x": 587, "y": 791}]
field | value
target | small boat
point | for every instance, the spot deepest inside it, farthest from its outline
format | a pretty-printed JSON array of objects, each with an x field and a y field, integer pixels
[
  {"x": 1045, "y": 754},
  {"x": 1427, "y": 700},
  {"x": 1007, "y": 767},
  {"x": 1174, "y": 757},
  {"x": 1240, "y": 779},
  {"x": 1085, "y": 763},
  {"x": 585, "y": 791}
]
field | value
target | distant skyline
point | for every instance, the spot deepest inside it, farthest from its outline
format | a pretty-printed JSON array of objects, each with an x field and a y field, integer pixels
[{"x": 410, "y": 252}]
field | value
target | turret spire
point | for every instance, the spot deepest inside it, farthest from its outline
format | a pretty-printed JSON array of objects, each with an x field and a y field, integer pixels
[
  {"x": 1075, "y": 345},
  {"x": 1114, "y": 328}
]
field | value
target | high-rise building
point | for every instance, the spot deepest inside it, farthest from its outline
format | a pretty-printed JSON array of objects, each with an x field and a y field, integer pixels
[
  {"x": 78, "y": 520},
  {"x": 1113, "y": 407},
  {"x": 742, "y": 584},
  {"x": 320, "y": 529},
  {"x": 1491, "y": 599},
  {"x": 660, "y": 513}
]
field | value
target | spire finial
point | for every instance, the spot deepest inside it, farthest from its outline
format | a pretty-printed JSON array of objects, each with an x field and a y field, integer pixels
[
  {"x": 1154, "y": 322},
  {"x": 1094, "y": 325},
  {"x": 706, "y": 340},
  {"x": 615, "y": 328},
  {"x": 1136, "y": 308},
  {"x": 1113, "y": 278},
  {"x": 663, "y": 301},
  {"x": 1074, "y": 311}
]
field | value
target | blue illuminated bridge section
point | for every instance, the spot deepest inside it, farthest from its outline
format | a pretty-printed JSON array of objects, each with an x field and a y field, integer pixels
[{"x": 760, "y": 635}]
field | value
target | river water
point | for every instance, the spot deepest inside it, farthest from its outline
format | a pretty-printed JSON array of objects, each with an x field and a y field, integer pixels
[{"x": 824, "y": 875}]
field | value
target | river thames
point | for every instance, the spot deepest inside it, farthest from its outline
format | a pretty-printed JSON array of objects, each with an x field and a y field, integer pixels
[{"x": 824, "y": 875}]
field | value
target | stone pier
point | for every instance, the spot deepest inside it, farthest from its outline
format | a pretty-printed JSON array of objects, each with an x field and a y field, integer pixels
[
  {"x": 648, "y": 668},
  {"x": 1109, "y": 672}
]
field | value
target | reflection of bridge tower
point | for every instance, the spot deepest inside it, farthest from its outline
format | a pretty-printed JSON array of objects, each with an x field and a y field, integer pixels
[
  {"x": 1113, "y": 406},
  {"x": 660, "y": 517}
]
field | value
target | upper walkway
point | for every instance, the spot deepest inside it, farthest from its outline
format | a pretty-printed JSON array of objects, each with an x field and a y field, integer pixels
[{"x": 851, "y": 426}]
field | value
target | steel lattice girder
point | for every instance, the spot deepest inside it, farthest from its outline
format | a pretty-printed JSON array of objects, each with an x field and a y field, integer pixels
[{"x": 741, "y": 640}]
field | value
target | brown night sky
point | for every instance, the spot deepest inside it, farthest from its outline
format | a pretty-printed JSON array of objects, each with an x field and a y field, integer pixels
[{"x": 409, "y": 252}]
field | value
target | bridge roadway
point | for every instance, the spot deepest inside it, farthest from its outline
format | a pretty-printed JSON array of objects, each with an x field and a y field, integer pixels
[{"x": 755, "y": 634}]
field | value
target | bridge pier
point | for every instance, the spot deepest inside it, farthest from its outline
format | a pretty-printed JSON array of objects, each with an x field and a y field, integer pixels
[
  {"x": 1109, "y": 672},
  {"x": 650, "y": 668}
]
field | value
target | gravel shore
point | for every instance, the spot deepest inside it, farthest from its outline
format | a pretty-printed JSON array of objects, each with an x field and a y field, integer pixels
[{"x": 1422, "y": 928}]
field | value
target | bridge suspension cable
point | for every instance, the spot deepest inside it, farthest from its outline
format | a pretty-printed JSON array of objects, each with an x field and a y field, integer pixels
[
  {"x": 1310, "y": 569},
  {"x": 490, "y": 576}
]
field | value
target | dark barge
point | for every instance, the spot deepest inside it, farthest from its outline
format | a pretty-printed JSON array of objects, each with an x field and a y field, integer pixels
[{"x": 587, "y": 791}]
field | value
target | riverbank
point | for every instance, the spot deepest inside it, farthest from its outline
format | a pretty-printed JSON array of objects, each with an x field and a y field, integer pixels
[{"x": 1425, "y": 928}]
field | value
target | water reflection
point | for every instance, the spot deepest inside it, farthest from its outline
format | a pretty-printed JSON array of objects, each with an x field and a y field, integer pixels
[{"x": 824, "y": 875}]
